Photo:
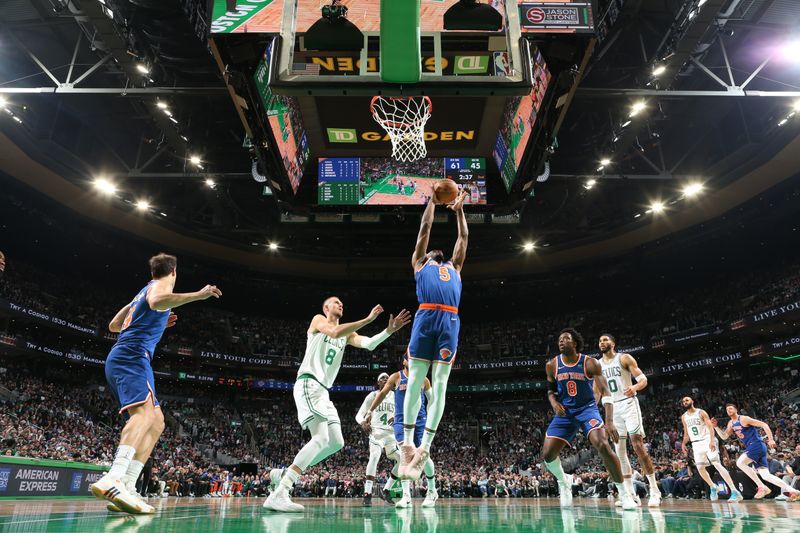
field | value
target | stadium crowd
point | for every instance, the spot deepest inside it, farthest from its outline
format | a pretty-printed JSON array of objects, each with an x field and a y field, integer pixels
[
  {"x": 209, "y": 329},
  {"x": 485, "y": 449}
]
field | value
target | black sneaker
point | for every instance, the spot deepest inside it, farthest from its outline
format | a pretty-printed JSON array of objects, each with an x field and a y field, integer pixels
[
  {"x": 367, "y": 500},
  {"x": 387, "y": 496}
]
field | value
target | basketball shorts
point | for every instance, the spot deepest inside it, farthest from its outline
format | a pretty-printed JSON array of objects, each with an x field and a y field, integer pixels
[
  {"x": 434, "y": 336},
  {"x": 130, "y": 377},
  {"x": 419, "y": 429},
  {"x": 565, "y": 427},
  {"x": 703, "y": 456},
  {"x": 312, "y": 401},
  {"x": 758, "y": 454},
  {"x": 384, "y": 438},
  {"x": 628, "y": 417}
]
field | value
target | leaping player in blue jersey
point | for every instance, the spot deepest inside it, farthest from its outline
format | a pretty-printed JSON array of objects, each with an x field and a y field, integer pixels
[
  {"x": 746, "y": 429},
  {"x": 571, "y": 381},
  {"x": 129, "y": 373},
  {"x": 434, "y": 335}
]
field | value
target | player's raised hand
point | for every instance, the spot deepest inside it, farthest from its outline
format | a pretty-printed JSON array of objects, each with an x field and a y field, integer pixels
[
  {"x": 458, "y": 203},
  {"x": 208, "y": 291},
  {"x": 397, "y": 322},
  {"x": 173, "y": 318},
  {"x": 376, "y": 311},
  {"x": 611, "y": 429}
]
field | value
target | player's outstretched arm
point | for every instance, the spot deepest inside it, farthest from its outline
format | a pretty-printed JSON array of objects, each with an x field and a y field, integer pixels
[
  {"x": 628, "y": 362},
  {"x": 594, "y": 371},
  {"x": 370, "y": 343},
  {"x": 160, "y": 296},
  {"x": 115, "y": 326},
  {"x": 391, "y": 384},
  {"x": 460, "y": 249},
  {"x": 320, "y": 324},
  {"x": 425, "y": 225},
  {"x": 724, "y": 435}
]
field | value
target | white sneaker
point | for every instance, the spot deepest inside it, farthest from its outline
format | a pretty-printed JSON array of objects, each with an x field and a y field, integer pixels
[
  {"x": 275, "y": 476},
  {"x": 628, "y": 503},
  {"x": 279, "y": 501},
  {"x": 431, "y": 497},
  {"x": 404, "y": 502},
  {"x": 565, "y": 491},
  {"x": 781, "y": 498},
  {"x": 115, "y": 492},
  {"x": 655, "y": 499}
]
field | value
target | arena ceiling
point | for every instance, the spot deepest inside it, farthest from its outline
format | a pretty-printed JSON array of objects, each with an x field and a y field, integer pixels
[{"x": 718, "y": 113}]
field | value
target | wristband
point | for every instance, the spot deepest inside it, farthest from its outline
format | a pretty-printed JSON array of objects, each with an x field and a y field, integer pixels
[{"x": 607, "y": 400}]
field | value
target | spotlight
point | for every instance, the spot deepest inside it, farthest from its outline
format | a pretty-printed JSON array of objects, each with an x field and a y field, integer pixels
[
  {"x": 791, "y": 50},
  {"x": 659, "y": 70},
  {"x": 605, "y": 161},
  {"x": 142, "y": 205},
  {"x": 692, "y": 189},
  {"x": 795, "y": 106},
  {"x": 174, "y": 120},
  {"x": 625, "y": 125},
  {"x": 636, "y": 108},
  {"x": 273, "y": 246},
  {"x": 195, "y": 159},
  {"x": 104, "y": 186},
  {"x": 781, "y": 123},
  {"x": 589, "y": 184},
  {"x": 161, "y": 105},
  {"x": 210, "y": 183},
  {"x": 529, "y": 246},
  {"x": 17, "y": 119},
  {"x": 657, "y": 207},
  {"x": 141, "y": 67},
  {"x": 3, "y": 102}
]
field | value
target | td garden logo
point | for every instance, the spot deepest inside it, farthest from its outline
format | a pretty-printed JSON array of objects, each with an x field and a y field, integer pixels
[{"x": 349, "y": 135}]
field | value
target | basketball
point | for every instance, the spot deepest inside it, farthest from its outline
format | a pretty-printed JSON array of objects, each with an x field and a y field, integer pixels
[{"x": 445, "y": 191}]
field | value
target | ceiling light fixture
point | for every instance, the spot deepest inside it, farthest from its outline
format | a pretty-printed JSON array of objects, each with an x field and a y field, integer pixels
[
  {"x": 104, "y": 186},
  {"x": 142, "y": 205},
  {"x": 692, "y": 189}
]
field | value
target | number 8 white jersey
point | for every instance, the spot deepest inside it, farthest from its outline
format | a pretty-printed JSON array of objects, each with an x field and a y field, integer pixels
[
  {"x": 618, "y": 378},
  {"x": 323, "y": 358}
]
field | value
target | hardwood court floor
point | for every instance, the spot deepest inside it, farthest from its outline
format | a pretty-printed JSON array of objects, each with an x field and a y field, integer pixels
[{"x": 344, "y": 516}]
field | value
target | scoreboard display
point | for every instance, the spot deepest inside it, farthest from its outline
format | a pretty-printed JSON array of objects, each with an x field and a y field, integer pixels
[
  {"x": 470, "y": 175},
  {"x": 383, "y": 181},
  {"x": 338, "y": 180}
]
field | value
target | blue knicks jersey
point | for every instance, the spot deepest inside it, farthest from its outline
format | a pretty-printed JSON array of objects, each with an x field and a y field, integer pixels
[
  {"x": 400, "y": 398},
  {"x": 574, "y": 387},
  {"x": 747, "y": 434},
  {"x": 438, "y": 283},
  {"x": 143, "y": 327}
]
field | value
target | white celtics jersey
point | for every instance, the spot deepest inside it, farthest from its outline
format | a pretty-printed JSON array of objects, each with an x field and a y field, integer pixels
[
  {"x": 323, "y": 358},
  {"x": 695, "y": 426},
  {"x": 382, "y": 416},
  {"x": 618, "y": 378}
]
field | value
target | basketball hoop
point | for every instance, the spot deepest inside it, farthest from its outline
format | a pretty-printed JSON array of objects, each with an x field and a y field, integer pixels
[{"x": 404, "y": 119}]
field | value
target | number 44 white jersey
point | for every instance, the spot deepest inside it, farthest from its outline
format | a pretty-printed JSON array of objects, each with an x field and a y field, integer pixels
[{"x": 382, "y": 416}]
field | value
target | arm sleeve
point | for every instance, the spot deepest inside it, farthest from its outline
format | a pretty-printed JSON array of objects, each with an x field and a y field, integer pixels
[
  {"x": 362, "y": 412},
  {"x": 370, "y": 343}
]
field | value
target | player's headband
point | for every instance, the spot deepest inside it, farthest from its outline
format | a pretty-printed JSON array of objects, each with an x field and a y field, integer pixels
[{"x": 383, "y": 375}]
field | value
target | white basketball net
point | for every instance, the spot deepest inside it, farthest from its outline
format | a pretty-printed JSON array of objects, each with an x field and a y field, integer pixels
[{"x": 404, "y": 120}]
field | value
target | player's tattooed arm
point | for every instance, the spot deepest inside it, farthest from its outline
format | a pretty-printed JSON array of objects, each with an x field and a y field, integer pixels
[
  {"x": 552, "y": 390},
  {"x": 594, "y": 371},
  {"x": 425, "y": 225},
  {"x": 629, "y": 363},
  {"x": 115, "y": 326},
  {"x": 460, "y": 249}
]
